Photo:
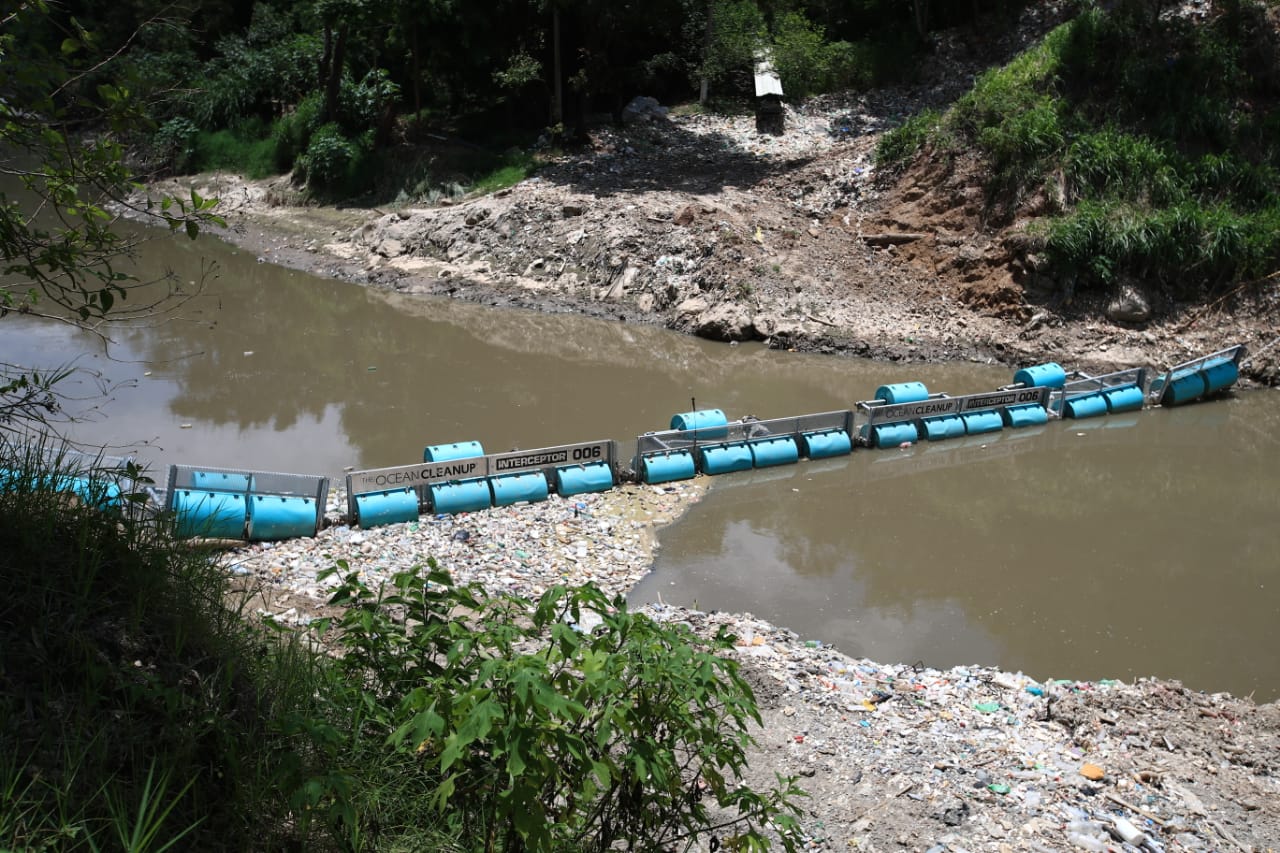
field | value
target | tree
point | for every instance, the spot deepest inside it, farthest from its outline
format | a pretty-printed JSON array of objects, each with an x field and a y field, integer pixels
[{"x": 62, "y": 122}]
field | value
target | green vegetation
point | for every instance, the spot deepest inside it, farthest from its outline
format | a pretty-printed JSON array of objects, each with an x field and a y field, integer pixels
[
  {"x": 141, "y": 710},
  {"x": 1155, "y": 135}
]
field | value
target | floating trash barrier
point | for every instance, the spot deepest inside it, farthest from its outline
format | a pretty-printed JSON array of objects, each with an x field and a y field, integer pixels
[
  {"x": 226, "y": 503},
  {"x": 460, "y": 477},
  {"x": 716, "y": 447},
  {"x": 1198, "y": 378},
  {"x": 940, "y": 416},
  {"x": 454, "y": 478}
]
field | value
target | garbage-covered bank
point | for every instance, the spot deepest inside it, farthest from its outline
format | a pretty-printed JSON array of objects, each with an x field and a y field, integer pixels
[{"x": 895, "y": 756}]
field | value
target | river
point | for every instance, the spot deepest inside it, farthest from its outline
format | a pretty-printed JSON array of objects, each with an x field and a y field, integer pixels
[{"x": 1121, "y": 547}]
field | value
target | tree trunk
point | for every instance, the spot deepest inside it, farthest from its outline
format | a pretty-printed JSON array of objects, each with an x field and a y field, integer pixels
[
  {"x": 335, "y": 75},
  {"x": 557, "y": 106}
]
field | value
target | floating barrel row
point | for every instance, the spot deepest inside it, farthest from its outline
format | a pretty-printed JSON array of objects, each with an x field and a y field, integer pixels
[
  {"x": 953, "y": 422},
  {"x": 91, "y": 491},
  {"x": 757, "y": 448},
  {"x": 235, "y": 505},
  {"x": 701, "y": 441},
  {"x": 478, "y": 493},
  {"x": 1194, "y": 381}
]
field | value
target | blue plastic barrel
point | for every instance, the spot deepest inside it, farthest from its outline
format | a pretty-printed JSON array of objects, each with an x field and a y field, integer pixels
[
  {"x": 1031, "y": 414},
  {"x": 97, "y": 493},
  {"x": 1124, "y": 398},
  {"x": 1085, "y": 406},
  {"x": 457, "y": 450},
  {"x": 826, "y": 443},
  {"x": 1184, "y": 386},
  {"x": 892, "y": 435},
  {"x": 943, "y": 426},
  {"x": 709, "y": 423},
  {"x": 513, "y": 488},
  {"x": 1220, "y": 373},
  {"x": 774, "y": 451},
  {"x": 217, "y": 515},
  {"x": 217, "y": 481},
  {"x": 279, "y": 517},
  {"x": 390, "y": 507},
  {"x": 1047, "y": 375},
  {"x": 667, "y": 466},
  {"x": 461, "y": 496},
  {"x": 723, "y": 458},
  {"x": 903, "y": 392},
  {"x": 579, "y": 479},
  {"x": 978, "y": 423}
]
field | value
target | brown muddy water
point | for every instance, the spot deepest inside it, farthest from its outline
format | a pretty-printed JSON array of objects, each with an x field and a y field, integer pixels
[{"x": 1129, "y": 546}]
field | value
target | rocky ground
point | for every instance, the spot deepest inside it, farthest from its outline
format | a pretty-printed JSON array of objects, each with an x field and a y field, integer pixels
[{"x": 893, "y": 756}]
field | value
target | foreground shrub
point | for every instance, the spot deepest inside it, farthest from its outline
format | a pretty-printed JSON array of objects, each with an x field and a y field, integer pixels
[
  {"x": 569, "y": 723},
  {"x": 134, "y": 703}
]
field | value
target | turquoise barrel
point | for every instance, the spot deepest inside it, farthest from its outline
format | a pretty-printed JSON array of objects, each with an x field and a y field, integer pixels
[
  {"x": 1183, "y": 386},
  {"x": 1047, "y": 375},
  {"x": 513, "y": 488},
  {"x": 825, "y": 443},
  {"x": 461, "y": 496},
  {"x": 1027, "y": 415},
  {"x": 1219, "y": 373},
  {"x": 1085, "y": 406},
  {"x": 97, "y": 493},
  {"x": 978, "y": 423},
  {"x": 279, "y": 517},
  {"x": 667, "y": 466},
  {"x": 892, "y": 435},
  {"x": 390, "y": 507},
  {"x": 766, "y": 452},
  {"x": 217, "y": 481},
  {"x": 216, "y": 515},
  {"x": 457, "y": 450},
  {"x": 1125, "y": 398},
  {"x": 945, "y": 426},
  {"x": 708, "y": 423},
  {"x": 723, "y": 458},
  {"x": 903, "y": 392},
  {"x": 578, "y": 479}
]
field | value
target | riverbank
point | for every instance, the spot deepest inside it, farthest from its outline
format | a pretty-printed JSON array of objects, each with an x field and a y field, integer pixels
[{"x": 894, "y": 756}]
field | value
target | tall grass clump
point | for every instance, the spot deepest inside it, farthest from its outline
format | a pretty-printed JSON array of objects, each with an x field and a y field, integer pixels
[
  {"x": 1151, "y": 125},
  {"x": 135, "y": 704}
]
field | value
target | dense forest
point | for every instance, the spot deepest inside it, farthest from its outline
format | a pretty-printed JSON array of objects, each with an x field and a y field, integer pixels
[{"x": 319, "y": 85}]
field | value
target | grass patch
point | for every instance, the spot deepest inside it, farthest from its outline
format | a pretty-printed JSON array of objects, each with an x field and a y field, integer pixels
[
  {"x": 239, "y": 150},
  {"x": 1153, "y": 128},
  {"x": 506, "y": 170}
]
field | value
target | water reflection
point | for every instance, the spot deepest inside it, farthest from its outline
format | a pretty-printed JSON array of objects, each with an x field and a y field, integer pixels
[{"x": 1132, "y": 547}]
